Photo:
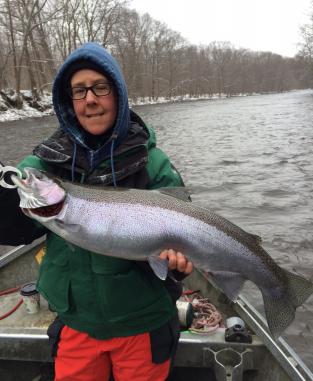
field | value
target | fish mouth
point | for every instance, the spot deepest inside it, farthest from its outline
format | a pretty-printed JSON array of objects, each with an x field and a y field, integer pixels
[
  {"x": 46, "y": 211},
  {"x": 39, "y": 192}
]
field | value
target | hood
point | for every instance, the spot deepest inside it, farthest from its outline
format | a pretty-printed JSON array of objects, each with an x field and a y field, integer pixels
[{"x": 98, "y": 56}]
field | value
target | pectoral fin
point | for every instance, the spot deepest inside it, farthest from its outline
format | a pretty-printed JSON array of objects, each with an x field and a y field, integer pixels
[
  {"x": 71, "y": 228},
  {"x": 159, "y": 266}
]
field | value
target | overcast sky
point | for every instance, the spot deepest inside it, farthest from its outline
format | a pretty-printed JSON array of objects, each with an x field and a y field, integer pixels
[{"x": 266, "y": 25}]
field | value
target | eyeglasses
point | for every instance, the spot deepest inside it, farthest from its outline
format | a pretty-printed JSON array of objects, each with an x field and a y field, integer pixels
[{"x": 99, "y": 90}]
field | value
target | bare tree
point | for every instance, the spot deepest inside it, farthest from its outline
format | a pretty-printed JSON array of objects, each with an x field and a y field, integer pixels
[
  {"x": 7, "y": 21},
  {"x": 37, "y": 35},
  {"x": 130, "y": 38},
  {"x": 99, "y": 18},
  {"x": 307, "y": 43}
]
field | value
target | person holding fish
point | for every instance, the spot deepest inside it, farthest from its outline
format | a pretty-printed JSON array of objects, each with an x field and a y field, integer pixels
[{"x": 114, "y": 315}]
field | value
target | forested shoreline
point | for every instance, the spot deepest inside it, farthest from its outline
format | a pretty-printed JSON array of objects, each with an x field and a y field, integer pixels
[{"x": 37, "y": 35}]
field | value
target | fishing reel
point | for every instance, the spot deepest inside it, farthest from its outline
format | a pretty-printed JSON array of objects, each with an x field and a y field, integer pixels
[{"x": 5, "y": 176}]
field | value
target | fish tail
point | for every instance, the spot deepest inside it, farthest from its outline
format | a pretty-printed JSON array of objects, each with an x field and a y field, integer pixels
[{"x": 280, "y": 310}]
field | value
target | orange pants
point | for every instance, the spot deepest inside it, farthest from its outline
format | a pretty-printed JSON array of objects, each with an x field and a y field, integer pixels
[{"x": 83, "y": 358}]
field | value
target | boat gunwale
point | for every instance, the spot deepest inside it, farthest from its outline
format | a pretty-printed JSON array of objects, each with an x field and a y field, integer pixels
[{"x": 18, "y": 251}]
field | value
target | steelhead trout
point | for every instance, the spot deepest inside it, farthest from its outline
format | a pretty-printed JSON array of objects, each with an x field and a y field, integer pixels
[{"x": 138, "y": 224}]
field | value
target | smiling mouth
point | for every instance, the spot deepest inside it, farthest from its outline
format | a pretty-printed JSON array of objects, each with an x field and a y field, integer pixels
[{"x": 95, "y": 115}]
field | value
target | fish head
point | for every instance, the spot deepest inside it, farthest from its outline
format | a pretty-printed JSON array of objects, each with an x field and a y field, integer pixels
[{"x": 38, "y": 190}]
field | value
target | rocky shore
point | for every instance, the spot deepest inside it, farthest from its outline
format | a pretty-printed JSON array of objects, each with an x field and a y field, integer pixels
[{"x": 13, "y": 107}]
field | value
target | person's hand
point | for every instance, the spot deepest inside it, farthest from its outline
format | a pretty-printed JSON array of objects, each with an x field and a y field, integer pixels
[{"x": 177, "y": 261}]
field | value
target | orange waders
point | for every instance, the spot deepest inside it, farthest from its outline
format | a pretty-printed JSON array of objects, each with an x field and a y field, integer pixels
[{"x": 82, "y": 358}]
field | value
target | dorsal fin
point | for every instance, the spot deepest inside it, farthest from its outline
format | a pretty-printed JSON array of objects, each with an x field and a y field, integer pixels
[
  {"x": 256, "y": 238},
  {"x": 181, "y": 193}
]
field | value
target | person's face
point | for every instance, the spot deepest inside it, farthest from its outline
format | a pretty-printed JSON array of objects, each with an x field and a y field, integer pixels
[{"x": 96, "y": 114}]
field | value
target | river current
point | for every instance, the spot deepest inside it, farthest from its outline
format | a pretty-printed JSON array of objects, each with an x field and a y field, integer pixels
[{"x": 252, "y": 160}]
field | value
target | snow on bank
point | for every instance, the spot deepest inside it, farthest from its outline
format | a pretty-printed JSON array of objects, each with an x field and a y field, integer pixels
[
  {"x": 29, "y": 108},
  {"x": 185, "y": 98},
  {"x": 43, "y": 106},
  {"x": 25, "y": 112}
]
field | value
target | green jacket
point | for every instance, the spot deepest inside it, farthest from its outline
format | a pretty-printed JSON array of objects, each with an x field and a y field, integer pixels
[{"x": 104, "y": 296}]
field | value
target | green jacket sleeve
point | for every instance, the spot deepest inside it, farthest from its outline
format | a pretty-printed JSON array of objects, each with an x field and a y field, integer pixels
[
  {"x": 161, "y": 171},
  {"x": 33, "y": 162}
]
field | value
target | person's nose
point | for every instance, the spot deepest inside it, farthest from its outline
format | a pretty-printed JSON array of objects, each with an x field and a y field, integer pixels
[{"x": 90, "y": 97}]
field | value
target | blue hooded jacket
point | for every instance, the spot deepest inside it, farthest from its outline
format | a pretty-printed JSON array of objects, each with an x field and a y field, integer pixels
[{"x": 98, "y": 57}]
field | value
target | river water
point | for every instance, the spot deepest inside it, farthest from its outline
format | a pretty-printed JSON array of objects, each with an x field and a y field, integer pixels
[{"x": 252, "y": 159}]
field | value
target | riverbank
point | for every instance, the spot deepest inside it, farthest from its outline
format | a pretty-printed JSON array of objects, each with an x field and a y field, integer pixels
[
  {"x": 14, "y": 108},
  {"x": 41, "y": 105}
]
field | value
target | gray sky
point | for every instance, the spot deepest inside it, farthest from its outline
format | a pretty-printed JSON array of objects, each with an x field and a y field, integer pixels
[{"x": 267, "y": 25}]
